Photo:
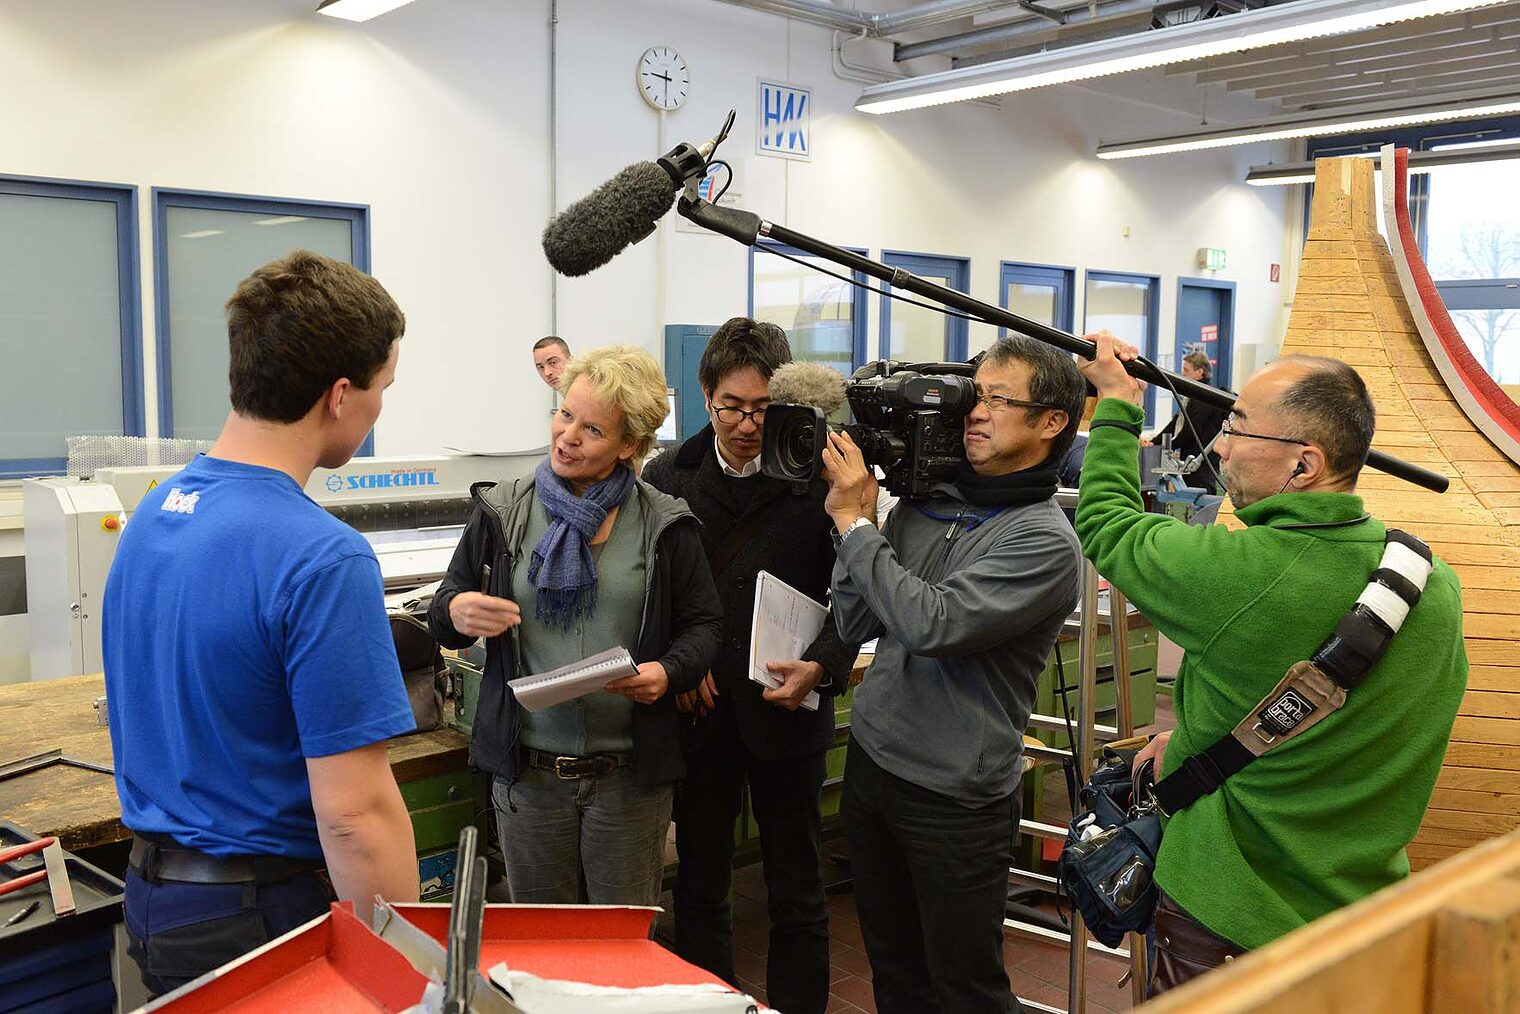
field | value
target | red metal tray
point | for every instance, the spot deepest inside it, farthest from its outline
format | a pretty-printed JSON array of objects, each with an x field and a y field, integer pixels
[{"x": 332, "y": 964}]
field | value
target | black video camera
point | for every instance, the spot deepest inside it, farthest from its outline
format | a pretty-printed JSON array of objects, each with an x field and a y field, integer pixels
[{"x": 907, "y": 420}]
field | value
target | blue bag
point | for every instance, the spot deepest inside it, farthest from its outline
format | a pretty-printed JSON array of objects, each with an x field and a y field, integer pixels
[{"x": 1108, "y": 863}]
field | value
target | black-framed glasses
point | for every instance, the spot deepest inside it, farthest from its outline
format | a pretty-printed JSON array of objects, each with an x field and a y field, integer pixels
[
  {"x": 1231, "y": 430},
  {"x": 732, "y": 415},
  {"x": 1001, "y": 403}
]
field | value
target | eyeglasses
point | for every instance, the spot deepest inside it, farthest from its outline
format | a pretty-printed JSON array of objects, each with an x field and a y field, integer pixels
[
  {"x": 732, "y": 415},
  {"x": 999, "y": 403},
  {"x": 1231, "y": 430}
]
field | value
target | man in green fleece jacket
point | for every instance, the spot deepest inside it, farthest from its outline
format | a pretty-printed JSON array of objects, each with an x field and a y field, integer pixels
[{"x": 1323, "y": 820}]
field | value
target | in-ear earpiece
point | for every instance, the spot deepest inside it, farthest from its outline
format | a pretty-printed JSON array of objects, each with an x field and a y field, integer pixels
[{"x": 1300, "y": 470}]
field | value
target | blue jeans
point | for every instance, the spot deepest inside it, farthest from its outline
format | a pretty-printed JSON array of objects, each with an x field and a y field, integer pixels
[
  {"x": 603, "y": 833},
  {"x": 178, "y": 932}
]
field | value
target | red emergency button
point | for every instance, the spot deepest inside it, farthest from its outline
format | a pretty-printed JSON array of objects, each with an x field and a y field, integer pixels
[{"x": 110, "y": 523}]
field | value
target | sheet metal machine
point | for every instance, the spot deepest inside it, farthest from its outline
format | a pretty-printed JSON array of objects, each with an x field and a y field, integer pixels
[{"x": 412, "y": 510}]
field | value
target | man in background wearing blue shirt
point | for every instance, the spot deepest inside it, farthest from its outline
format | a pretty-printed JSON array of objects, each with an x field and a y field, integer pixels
[{"x": 251, "y": 677}]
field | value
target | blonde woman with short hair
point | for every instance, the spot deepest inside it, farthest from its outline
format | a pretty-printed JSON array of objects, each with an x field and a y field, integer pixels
[{"x": 580, "y": 558}]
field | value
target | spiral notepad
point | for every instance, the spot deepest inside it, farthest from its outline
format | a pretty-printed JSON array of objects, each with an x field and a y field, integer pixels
[{"x": 544, "y": 690}]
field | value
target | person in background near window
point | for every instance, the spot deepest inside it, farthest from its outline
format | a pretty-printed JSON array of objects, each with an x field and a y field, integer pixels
[
  {"x": 1190, "y": 440},
  {"x": 578, "y": 559},
  {"x": 550, "y": 357},
  {"x": 739, "y": 732},
  {"x": 251, "y": 678}
]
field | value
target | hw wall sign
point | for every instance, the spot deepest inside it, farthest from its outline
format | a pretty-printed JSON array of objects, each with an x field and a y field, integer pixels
[{"x": 783, "y": 120}]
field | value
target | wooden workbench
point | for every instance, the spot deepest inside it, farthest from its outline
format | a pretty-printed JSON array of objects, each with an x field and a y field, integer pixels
[{"x": 79, "y": 805}]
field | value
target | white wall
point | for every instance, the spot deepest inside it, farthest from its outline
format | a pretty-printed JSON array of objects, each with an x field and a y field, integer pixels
[{"x": 437, "y": 116}]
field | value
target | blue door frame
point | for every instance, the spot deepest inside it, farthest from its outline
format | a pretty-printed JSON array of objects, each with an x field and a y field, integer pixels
[
  {"x": 1062, "y": 279},
  {"x": 129, "y": 302},
  {"x": 1224, "y": 350},
  {"x": 958, "y": 272},
  {"x": 857, "y": 296},
  {"x": 1152, "y": 320},
  {"x": 164, "y": 198}
]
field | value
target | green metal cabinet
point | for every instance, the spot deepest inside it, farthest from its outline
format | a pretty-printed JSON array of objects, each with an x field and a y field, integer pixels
[
  {"x": 440, "y": 807},
  {"x": 1065, "y": 660}
]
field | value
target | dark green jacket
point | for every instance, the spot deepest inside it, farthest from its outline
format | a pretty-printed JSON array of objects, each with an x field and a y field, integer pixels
[{"x": 1323, "y": 820}]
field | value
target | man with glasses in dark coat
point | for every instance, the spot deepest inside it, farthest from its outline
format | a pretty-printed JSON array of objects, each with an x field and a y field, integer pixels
[{"x": 739, "y": 733}]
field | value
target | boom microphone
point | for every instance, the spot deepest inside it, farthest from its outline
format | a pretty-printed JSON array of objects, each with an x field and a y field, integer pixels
[
  {"x": 600, "y": 225},
  {"x": 626, "y": 208},
  {"x": 808, "y": 384}
]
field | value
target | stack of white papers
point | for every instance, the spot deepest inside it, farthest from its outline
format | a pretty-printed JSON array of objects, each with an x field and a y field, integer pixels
[{"x": 786, "y": 622}]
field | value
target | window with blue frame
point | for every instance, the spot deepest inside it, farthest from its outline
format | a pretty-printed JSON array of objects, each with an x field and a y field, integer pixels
[
  {"x": 824, "y": 317},
  {"x": 1040, "y": 292},
  {"x": 1467, "y": 221},
  {"x": 1127, "y": 305},
  {"x": 204, "y": 245},
  {"x": 918, "y": 334},
  {"x": 70, "y": 319}
]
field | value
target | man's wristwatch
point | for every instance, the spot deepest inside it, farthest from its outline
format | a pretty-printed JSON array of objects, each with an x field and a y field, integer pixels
[{"x": 839, "y": 537}]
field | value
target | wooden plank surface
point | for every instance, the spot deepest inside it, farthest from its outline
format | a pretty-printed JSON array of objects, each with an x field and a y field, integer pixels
[
  {"x": 80, "y": 806},
  {"x": 1374, "y": 955}
]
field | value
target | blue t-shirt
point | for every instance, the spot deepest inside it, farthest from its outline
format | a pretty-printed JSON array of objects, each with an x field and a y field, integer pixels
[{"x": 244, "y": 630}]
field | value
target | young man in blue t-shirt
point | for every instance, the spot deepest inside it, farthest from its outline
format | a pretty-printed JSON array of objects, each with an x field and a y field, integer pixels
[{"x": 251, "y": 677}]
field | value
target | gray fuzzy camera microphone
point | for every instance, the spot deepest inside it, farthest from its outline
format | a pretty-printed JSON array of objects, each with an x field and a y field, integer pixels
[
  {"x": 803, "y": 396},
  {"x": 808, "y": 384}
]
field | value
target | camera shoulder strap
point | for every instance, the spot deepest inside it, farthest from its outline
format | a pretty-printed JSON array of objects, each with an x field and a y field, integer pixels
[{"x": 1314, "y": 689}]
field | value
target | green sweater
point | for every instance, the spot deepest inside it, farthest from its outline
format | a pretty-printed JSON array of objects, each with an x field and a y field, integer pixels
[{"x": 1323, "y": 820}]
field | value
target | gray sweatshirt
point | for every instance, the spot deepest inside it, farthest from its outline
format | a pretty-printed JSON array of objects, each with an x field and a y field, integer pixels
[{"x": 966, "y": 624}]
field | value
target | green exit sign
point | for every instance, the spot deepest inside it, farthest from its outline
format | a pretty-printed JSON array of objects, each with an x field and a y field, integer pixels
[{"x": 1211, "y": 258}]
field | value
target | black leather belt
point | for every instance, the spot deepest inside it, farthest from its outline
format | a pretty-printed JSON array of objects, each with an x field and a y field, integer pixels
[
  {"x": 570, "y": 768},
  {"x": 156, "y": 862}
]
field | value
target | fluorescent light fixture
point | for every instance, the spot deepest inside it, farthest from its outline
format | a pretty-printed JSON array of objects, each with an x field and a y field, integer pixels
[
  {"x": 1472, "y": 106},
  {"x": 1238, "y": 33},
  {"x": 1419, "y": 162},
  {"x": 358, "y": 10},
  {"x": 201, "y": 233},
  {"x": 281, "y": 220}
]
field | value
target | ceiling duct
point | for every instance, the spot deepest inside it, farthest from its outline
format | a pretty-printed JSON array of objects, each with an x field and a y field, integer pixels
[
  {"x": 1257, "y": 29},
  {"x": 923, "y": 15}
]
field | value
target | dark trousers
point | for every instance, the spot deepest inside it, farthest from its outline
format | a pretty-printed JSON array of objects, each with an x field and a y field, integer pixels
[
  {"x": 931, "y": 886},
  {"x": 784, "y": 800},
  {"x": 178, "y": 932},
  {"x": 1183, "y": 948}
]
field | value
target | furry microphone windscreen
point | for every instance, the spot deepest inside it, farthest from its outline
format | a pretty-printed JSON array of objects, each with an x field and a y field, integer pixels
[
  {"x": 808, "y": 384},
  {"x": 597, "y": 227}
]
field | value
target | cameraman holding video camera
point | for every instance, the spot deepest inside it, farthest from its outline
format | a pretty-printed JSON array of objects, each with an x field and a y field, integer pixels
[{"x": 966, "y": 590}]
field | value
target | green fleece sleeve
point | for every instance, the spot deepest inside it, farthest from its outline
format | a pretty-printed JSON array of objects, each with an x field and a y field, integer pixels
[{"x": 1176, "y": 574}]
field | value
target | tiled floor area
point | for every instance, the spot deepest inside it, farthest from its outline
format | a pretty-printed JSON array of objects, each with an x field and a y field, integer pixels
[{"x": 1038, "y": 971}]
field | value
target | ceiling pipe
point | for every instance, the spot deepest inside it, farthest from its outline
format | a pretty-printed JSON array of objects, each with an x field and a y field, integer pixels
[
  {"x": 1079, "y": 22},
  {"x": 924, "y": 15}
]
